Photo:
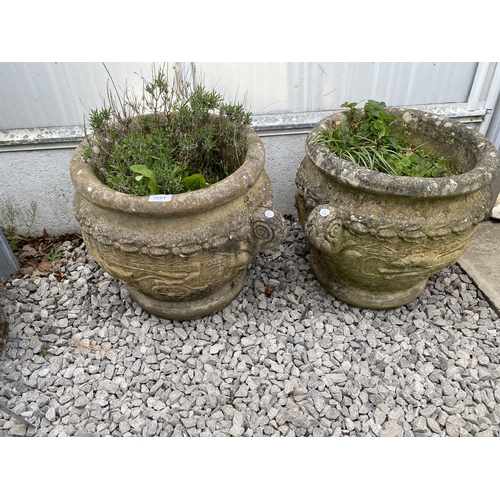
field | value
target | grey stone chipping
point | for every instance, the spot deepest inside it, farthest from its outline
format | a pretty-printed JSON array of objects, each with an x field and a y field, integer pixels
[{"x": 83, "y": 360}]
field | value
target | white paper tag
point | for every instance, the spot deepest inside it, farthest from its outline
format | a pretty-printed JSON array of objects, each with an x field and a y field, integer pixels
[
  {"x": 324, "y": 212},
  {"x": 269, "y": 214},
  {"x": 160, "y": 197}
]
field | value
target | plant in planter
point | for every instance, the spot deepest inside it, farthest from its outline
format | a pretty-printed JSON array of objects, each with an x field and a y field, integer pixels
[
  {"x": 172, "y": 196},
  {"x": 387, "y": 197}
]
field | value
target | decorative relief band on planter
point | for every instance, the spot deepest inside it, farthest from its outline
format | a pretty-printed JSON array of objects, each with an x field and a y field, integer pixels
[
  {"x": 377, "y": 238},
  {"x": 186, "y": 256}
]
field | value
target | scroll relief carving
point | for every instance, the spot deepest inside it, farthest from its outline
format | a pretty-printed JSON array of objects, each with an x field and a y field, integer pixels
[
  {"x": 388, "y": 250},
  {"x": 175, "y": 266}
]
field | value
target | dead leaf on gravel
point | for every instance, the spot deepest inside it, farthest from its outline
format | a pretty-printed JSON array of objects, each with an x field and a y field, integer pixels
[
  {"x": 31, "y": 253},
  {"x": 45, "y": 266},
  {"x": 27, "y": 270},
  {"x": 28, "y": 251},
  {"x": 59, "y": 275}
]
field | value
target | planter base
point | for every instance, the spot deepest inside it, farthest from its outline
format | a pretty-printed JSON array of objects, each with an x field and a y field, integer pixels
[
  {"x": 191, "y": 309},
  {"x": 366, "y": 299}
]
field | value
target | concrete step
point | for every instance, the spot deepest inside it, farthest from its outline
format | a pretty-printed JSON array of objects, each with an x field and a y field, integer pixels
[{"x": 481, "y": 261}]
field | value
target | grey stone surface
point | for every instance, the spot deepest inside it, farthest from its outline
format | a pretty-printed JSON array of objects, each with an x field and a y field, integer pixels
[
  {"x": 83, "y": 359},
  {"x": 480, "y": 260},
  {"x": 32, "y": 173}
]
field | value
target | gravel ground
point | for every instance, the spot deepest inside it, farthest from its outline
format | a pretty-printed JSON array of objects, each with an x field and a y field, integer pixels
[{"x": 83, "y": 360}]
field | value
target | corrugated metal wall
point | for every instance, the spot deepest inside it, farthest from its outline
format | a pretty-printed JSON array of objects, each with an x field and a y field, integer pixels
[
  {"x": 308, "y": 87},
  {"x": 57, "y": 94},
  {"x": 54, "y": 94}
]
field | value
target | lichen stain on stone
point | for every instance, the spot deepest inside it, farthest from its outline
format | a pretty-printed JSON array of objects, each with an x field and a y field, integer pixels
[
  {"x": 350, "y": 177},
  {"x": 407, "y": 117},
  {"x": 449, "y": 187}
]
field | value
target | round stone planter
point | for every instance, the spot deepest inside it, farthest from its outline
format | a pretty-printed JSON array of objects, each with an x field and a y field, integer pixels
[
  {"x": 377, "y": 238},
  {"x": 181, "y": 256}
]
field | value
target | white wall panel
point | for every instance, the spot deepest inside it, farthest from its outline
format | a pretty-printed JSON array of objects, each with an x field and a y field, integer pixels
[
  {"x": 50, "y": 94},
  {"x": 53, "y": 94},
  {"x": 319, "y": 86}
]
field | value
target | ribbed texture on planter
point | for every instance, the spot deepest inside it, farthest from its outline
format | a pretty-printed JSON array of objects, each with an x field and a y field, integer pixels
[{"x": 377, "y": 238}]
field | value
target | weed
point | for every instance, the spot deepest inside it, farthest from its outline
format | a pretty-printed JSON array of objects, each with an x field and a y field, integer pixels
[
  {"x": 98, "y": 118},
  {"x": 44, "y": 350},
  {"x": 16, "y": 219},
  {"x": 13, "y": 243},
  {"x": 12, "y": 239},
  {"x": 172, "y": 139},
  {"x": 367, "y": 139},
  {"x": 31, "y": 215},
  {"x": 11, "y": 215},
  {"x": 10, "y": 229},
  {"x": 55, "y": 254}
]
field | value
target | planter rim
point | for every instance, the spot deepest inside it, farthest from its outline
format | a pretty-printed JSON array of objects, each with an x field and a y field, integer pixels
[
  {"x": 349, "y": 174},
  {"x": 88, "y": 185}
]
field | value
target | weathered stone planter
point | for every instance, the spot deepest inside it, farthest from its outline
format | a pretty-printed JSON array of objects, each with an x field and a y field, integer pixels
[
  {"x": 377, "y": 238},
  {"x": 186, "y": 256}
]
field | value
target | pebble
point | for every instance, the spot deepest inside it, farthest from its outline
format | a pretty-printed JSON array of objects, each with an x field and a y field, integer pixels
[
  {"x": 391, "y": 429},
  {"x": 433, "y": 426},
  {"x": 83, "y": 360},
  {"x": 420, "y": 426},
  {"x": 237, "y": 428},
  {"x": 18, "y": 430}
]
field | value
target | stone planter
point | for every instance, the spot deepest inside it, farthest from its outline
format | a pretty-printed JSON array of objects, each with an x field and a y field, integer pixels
[
  {"x": 185, "y": 256},
  {"x": 377, "y": 238}
]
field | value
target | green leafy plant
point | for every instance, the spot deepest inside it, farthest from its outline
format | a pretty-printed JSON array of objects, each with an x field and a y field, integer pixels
[
  {"x": 99, "y": 117},
  {"x": 368, "y": 139},
  {"x": 145, "y": 172},
  {"x": 195, "y": 181},
  {"x": 172, "y": 139},
  {"x": 44, "y": 350},
  {"x": 55, "y": 254}
]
